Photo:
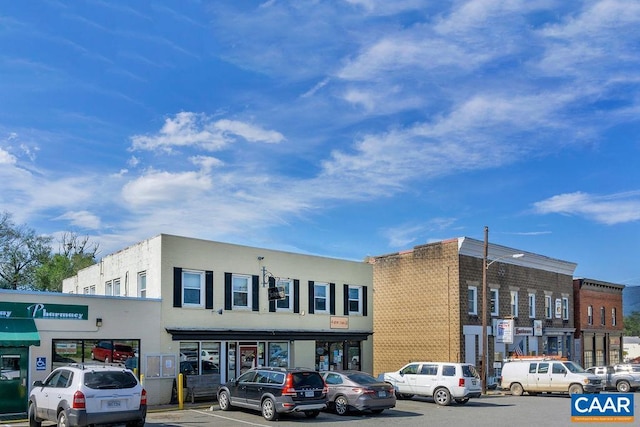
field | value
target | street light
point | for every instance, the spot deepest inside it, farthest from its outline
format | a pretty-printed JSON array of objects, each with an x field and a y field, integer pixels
[{"x": 485, "y": 339}]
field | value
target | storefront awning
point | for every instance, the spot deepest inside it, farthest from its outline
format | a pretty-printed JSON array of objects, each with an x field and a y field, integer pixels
[
  {"x": 186, "y": 334},
  {"x": 18, "y": 332}
]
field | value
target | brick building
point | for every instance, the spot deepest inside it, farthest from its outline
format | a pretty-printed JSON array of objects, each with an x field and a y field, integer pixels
[
  {"x": 599, "y": 322},
  {"x": 428, "y": 304}
]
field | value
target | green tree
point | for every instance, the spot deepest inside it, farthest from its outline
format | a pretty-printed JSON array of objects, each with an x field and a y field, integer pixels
[
  {"x": 632, "y": 324},
  {"x": 22, "y": 251},
  {"x": 75, "y": 254}
]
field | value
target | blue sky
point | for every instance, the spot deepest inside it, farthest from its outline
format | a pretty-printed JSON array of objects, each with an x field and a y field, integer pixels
[{"x": 338, "y": 128}]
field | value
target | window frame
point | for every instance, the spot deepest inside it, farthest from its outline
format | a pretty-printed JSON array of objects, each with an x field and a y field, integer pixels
[
  {"x": 614, "y": 316},
  {"x": 326, "y": 297},
  {"x": 287, "y": 284},
  {"x": 142, "y": 284},
  {"x": 472, "y": 300},
  {"x": 201, "y": 289},
  {"x": 532, "y": 305},
  {"x": 565, "y": 308},
  {"x": 494, "y": 301},
  {"x": 358, "y": 301},
  {"x": 548, "y": 307},
  {"x": 603, "y": 316},
  {"x": 590, "y": 315},
  {"x": 514, "y": 303},
  {"x": 249, "y": 292}
]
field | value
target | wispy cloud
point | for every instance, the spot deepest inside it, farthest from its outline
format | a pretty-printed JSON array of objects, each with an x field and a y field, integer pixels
[{"x": 608, "y": 209}]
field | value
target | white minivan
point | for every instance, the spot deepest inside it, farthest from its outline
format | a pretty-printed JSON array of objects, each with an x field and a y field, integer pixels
[
  {"x": 444, "y": 381},
  {"x": 547, "y": 375}
]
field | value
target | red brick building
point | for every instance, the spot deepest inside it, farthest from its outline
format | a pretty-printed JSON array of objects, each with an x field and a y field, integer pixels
[{"x": 599, "y": 322}]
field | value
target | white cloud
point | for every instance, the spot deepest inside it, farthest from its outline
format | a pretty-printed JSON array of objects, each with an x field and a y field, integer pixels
[
  {"x": 83, "y": 219},
  {"x": 157, "y": 188},
  {"x": 611, "y": 209},
  {"x": 7, "y": 158},
  {"x": 187, "y": 129}
]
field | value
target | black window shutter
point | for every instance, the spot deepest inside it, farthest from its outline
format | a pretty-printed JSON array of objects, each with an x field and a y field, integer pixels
[
  {"x": 296, "y": 296},
  {"x": 311, "y": 297},
  {"x": 345, "y": 298},
  {"x": 364, "y": 300},
  {"x": 272, "y": 303},
  {"x": 256, "y": 294},
  {"x": 228, "y": 292},
  {"x": 177, "y": 287},
  {"x": 208, "y": 289},
  {"x": 332, "y": 301}
]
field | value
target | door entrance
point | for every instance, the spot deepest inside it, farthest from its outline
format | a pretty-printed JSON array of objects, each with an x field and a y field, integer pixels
[
  {"x": 13, "y": 379},
  {"x": 248, "y": 355}
]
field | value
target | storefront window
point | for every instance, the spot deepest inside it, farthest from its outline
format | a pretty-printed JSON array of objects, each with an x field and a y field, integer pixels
[
  {"x": 279, "y": 354},
  {"x": 120, "y": 352},
  {"x": 338, "y": 355}
]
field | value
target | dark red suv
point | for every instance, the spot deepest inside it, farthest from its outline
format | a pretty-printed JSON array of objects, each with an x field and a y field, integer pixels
[{"x": 108, "y": 351}]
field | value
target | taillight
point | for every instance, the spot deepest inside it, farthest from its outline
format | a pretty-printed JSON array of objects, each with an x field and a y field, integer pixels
[
  {"x": 288, "y": 389},
  {"x": 78, "y": 400},
  {"x": 460, "y": 382},
  {"x": 365, "y": 391},
  {"x": 143, "y": 397}
]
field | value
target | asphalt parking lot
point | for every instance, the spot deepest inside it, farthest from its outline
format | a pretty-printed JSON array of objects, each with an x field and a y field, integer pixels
[{"x": 487, "y": 411}]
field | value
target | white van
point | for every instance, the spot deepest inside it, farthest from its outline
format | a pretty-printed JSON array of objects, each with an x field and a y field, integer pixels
[
  {"x": 547, "y": 375},
  {"x": 444, "y": 381}
]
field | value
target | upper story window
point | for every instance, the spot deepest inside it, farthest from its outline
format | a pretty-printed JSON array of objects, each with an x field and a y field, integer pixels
[
  {"x": 514, "y": 303},
  {"x": 193, "y": 288},
  {"x": 142, "y": 284},
  {"x": 241, "y": 285},
  {"x": 565, "y": 308},
  {"x": 548, "y": 309},
  {"x": 108, "y": 288},
  {"x": 472, "y": 295},
  {"x": 285, "y": 303},
  {"x": 321, "y": 297},
  {"x": 495, "y": 302},
  {"x": 532, "y": 305},
  {"x": 614, "y": 317},
  {"x": 602, "y": 316},
  {"x": 116, "y": 287},
  {"x": 355, "y": 299},
  {"x": 590, "y": 315}
]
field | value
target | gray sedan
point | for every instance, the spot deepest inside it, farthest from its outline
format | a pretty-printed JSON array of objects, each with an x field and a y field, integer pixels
[{"x": 355, "y": 390}]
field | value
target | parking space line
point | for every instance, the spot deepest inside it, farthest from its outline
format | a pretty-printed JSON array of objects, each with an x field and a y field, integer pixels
[{"x": 211, "y": 414}]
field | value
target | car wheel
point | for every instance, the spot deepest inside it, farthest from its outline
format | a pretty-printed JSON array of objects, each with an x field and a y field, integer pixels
[
  {"x": 341, "y": 405},
  {"x": 462, "y": 401},
  {"x": 442, "y": 396},
  {"x": 516, "y": 389},
  {"x": 377, "y": 411},
  {"x": 33, "y": 421},
  {"x": 269, "y": 409},
  {"x": 63, "y": 420},
  {"x": 312, "y": 414},
  {"x": 623, "y": 387},
  {"x": 223, "y": 401},
  {"x": 575, "y": 389}
]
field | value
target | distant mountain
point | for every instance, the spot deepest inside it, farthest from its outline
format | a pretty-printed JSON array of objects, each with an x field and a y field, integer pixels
[{"x": 630, "y": 300}]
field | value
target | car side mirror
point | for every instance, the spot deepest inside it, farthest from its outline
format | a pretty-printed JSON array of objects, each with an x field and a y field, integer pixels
[
  {"x": 37, "y": 383},
  {"x": 401, "y": 373}
]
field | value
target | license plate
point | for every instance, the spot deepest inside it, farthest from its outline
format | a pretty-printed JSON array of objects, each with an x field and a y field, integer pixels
[
  {"x": 113, "y": 403},
  {"x": 382, "y": 393},
  {"x": 308, "y": 394},
  {"x": 473, "y": 382}
]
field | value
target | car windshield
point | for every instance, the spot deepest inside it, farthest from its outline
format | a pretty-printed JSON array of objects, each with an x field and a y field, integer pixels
[
  {"x": 573, "y": 367},
  {"x": 109, "y": 380},
  {"x": 361, "y": 378}
]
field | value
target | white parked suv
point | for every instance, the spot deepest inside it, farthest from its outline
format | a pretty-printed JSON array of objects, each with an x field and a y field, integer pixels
[
  {"x": 444, "y": 381},
  {"x": 81, "y": 395}
]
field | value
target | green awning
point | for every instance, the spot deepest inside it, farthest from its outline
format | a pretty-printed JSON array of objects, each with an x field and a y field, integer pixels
[{"x": 18, "y": 332}]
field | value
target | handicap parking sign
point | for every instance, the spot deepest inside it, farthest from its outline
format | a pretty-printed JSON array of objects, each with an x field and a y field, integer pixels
[{"x": 41, "y": 363}]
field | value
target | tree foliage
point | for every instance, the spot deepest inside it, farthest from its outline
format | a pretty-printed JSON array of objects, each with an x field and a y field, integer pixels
[
  {"x": 27, "y": 261},
  {"x": 22, "y": 251},
  {"x": 632, "y": 324},
  {"x": 75, "y": 253}
]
